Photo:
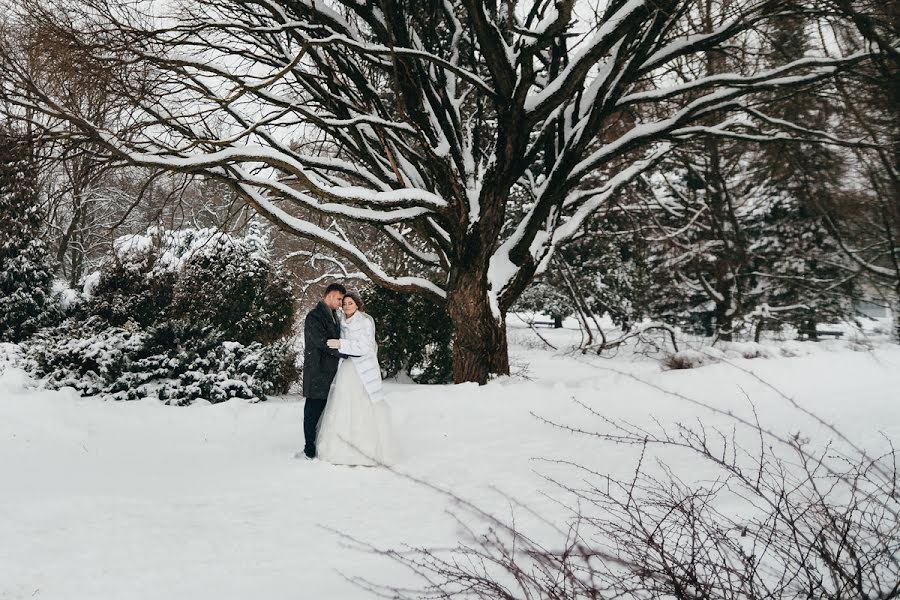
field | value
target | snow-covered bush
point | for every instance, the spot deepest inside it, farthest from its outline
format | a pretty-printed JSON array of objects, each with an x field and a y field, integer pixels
[
  {"x": 26, "y": 278},
  {"x": 132, "y": 292},
  {"x": 86, "y": 355},
  {"x": 179, "y": 316},
  {"x": 414, "y": 336},
  {"x": 199, "y": 365},
  {"x": 10, "y": 354},
  {"x": 233, "y": 285},
  {"x": 204, "y": 276},
  {"x": 175, "y": 362},
  {"x": 136, "y": 283},
  {"x": 690, "y": 359}
]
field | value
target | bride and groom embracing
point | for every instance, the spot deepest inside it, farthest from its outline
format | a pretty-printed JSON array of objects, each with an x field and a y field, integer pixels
[{"x": 345, "y": 418}]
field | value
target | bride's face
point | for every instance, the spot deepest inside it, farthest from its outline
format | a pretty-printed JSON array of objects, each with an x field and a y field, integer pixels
[{"x": 350, "y": 307}]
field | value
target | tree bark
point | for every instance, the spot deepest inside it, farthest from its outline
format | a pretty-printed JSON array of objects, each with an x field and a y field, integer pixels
[
  {"x": 479, "y": 337},
  {"x": 808, "y": 328},
  {"x": 896, "y": 315},
  {"x": 724, "y": 319}
]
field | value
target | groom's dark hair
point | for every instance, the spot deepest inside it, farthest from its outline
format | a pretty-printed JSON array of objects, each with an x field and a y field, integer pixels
[{"x": 334, "y": 287}]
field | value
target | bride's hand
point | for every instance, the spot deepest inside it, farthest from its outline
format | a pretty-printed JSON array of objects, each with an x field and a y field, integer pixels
[{"x": 334, "y": 344}]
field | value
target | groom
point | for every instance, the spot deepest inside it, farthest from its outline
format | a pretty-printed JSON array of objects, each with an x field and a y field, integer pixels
[{"x": 320, "y": 362}]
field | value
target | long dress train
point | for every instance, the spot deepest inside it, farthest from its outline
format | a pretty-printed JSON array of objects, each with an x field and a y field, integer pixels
[{"x": 353, "y": 430}]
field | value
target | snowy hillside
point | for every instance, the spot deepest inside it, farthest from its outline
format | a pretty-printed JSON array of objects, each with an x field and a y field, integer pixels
[{"x": 111, "y": 500}]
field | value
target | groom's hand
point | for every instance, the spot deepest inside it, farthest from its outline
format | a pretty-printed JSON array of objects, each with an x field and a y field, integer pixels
[{"x": 334, "y": 344}]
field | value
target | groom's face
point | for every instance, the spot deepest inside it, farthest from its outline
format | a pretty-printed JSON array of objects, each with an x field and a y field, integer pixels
[{"x": 334, "y": 300}]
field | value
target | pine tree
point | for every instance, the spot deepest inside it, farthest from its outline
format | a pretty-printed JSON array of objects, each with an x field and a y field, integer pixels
[
  {"x": 797, "y": 258},
  {"x": 26, "y": 278}
]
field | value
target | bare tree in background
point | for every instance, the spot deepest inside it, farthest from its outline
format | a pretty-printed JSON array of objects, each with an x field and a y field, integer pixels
[
  {"x": 414, "y": 121},
  {"x": 89, "y": 196}
]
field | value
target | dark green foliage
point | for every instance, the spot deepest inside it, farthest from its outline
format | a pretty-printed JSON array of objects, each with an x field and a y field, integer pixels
[
  {"x": 26, "y": 279},
  {"x": 608, "y": 270},
  {"x": 237, "y": 290},
  {"x": 179, "y": 316},
  {"x": 621, "y": 278},
  {"x": 273, "y": 364},
  {"x": 205, "y": 277},
  {"x": 128, "y": 291},
  {"x": 86, "y": 355},
  {"x": 176, "y": 362},
  {"x": 798, "y": 263},
  {"x": 414, "y": 336}
]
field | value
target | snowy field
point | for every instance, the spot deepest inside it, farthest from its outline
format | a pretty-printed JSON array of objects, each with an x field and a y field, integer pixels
[{"x": 103, "y": 500}]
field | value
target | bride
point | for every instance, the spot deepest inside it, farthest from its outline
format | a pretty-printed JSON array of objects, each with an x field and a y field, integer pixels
[{"x": 355, "y": 426}]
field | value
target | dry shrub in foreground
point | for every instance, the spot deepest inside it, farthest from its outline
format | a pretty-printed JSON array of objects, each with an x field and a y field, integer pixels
[{"x": 780, "y": 518}]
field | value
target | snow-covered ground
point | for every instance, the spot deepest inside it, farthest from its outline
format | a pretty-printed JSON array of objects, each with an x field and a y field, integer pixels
[{"x": 139, "y": 500}]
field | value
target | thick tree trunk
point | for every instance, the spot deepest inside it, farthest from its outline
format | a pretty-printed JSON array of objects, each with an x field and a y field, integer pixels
[
  {"x": 760, "y": 326},
  {"x": 479, "y": 337},
  {"x": 808, "y": 329},
  {"x": 706, "y": 321},
  {"x": 724, "y": 320},
  {"x": 896, "y": 315},
  {"x": 68, "y": 234}
]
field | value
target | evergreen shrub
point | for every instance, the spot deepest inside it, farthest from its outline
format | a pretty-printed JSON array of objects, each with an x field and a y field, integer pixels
[
  {"x": 179, "y": 316},
  {"x": 176, "y": 362},
  {"x": 26, "y": 277},
  {"x": 415, "y": 336}
]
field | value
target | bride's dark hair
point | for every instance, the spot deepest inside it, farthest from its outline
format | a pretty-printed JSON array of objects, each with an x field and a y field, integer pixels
[{"x": 360, "y": 305}]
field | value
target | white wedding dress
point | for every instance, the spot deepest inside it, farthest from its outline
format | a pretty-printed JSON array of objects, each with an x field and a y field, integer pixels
[{"x": 355, "y": 428}]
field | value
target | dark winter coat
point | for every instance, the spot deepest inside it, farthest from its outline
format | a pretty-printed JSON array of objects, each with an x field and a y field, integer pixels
[{"x": 320, "y": 362}]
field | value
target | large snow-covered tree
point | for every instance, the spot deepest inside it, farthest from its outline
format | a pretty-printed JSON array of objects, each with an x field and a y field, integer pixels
[{"x": 421, "y": 121}]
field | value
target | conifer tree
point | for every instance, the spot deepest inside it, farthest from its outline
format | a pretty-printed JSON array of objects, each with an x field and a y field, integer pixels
[{"x": 25, "y": 276}]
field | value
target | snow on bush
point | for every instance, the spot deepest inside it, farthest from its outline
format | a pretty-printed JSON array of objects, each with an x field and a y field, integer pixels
[
  {"x": 137, "y": 282},
  {"x": 79, "y": 355},
  {"x": 178, "y": 316},
  {"x": 174, "y": 362},
  {"x": 691, "y": 359},
  {"x": 199, "y": 275},
  {"x": 234, "y": 286},
  {"x": 26, "y": 277},
  {"x": 10, "y": 354},
  {"x": 68, "y": 298}
]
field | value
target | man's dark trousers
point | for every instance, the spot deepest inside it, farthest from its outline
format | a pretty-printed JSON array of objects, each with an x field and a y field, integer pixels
[{"x": 312, "y": 412}]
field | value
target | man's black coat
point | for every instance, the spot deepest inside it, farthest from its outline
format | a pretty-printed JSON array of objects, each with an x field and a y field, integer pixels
[{"x": 320, "y": 362}]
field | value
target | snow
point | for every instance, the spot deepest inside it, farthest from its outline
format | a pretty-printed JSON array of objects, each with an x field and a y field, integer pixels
[
  {"x": 354, "y": 254},
  {"x": 90, "y": 284},
  {"x": 550, "y": 17},
  {"x": 273, "y": 157},
  {"x": 604, "y": 33},
  {"x": 68, "y": 297},
  {"x": 139, "y": 500}
]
